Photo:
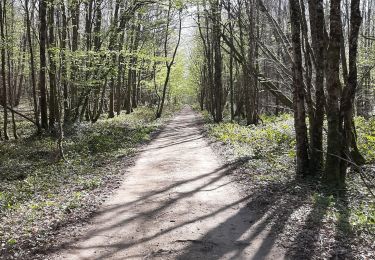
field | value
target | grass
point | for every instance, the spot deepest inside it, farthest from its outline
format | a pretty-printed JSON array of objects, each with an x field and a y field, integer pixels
[{"x": 38, "y": 191}]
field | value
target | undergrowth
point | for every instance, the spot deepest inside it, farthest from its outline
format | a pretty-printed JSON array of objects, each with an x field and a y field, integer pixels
[
  {"x": 366, "y": 137},
  {"x": 269, "y": 149},
  {"x": 38, "y": 191}
]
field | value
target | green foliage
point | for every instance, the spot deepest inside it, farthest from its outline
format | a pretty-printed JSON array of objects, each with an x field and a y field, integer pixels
[
  {"x": 12, "y": 242},
  {"x": 181, "y": 88},
  {"x": 36, "y": 186},
  {"x": 89, "y": 183},
  {"x": 357, "y": 217},
  {"x": 366, "y": 137},
  {"x": 323, "y": 201},
  {"x": 196, "y": 62},
  {"x": 364, "y": 217},
  {"x": 270, "y": 146},
  {"x": 274, "y": 136},
  {"x": 73, "y": 202}
]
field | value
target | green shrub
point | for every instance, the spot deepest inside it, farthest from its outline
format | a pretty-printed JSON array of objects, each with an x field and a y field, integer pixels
[
  {"x": 33, "y": 180},
  {"x": 270, "y": 145},
  {"x": 366, "y": 137},
  {"x": 364, "y": 217}
]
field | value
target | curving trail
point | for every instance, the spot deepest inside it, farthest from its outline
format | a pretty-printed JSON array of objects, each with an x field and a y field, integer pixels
[{"x": 177, "y": 202}]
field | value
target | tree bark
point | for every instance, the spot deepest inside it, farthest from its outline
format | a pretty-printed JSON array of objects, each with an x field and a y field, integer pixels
[
  {"x": 3, "y": 71},
  {"x": 64, "y": 71},
  {"x": 334, "y": 139},
  {"x": 348, "y": 95},
  {"x": 32, "y": 66},
  {"x": 53, "y": 108},
  {"x": 218, "y": 66},
  {"x": 298, "y": 92},
  {"x": 43, "y": 63},
  {"x": 318, "y": 44}
]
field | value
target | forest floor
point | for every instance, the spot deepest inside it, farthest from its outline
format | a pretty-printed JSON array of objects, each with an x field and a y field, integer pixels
[
  {"x": 179, "y": 201},
  {"x": 197, "y": 191},
  {"x": 309, "y": 220},
  {"x": 42, "y": 197}
]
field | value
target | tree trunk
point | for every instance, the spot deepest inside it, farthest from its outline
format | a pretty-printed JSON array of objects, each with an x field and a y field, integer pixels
[
  {"x": 53, "y": 108},
  {"x": 334, "y": 138},
  {"x": 112, "y": 42},
  {"x": 3, "y": 72},
  {"x": 218, "y": 66},
  {"x": 32, "y": 66},
  {"x": 43, "y": 63},
  {"x": 348, "y": 95},
  {"x": 75, "y": 17},
  {"x": 318, "y": 44},
  {"x": 64, "y": 71},
  {"x": 169, "y": 64},
  {"x": 298, "y": 92},
  {"x": 231, "y": 60}
]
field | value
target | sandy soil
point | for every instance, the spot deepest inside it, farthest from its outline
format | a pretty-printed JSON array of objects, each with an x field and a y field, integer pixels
[{"x": 179, "y": 201}]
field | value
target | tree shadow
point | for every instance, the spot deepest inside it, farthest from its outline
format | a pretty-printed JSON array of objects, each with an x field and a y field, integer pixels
[
  {"x": 314, "y": 238},
  {"x": 249, "y": 232},
  {"x": 344, "y": 234},
  {"x": 252, "y": 232},
  {"x": 210, "y": 179},
  {"x": 307, "y": 238},
  {"x": 180, "y": 141}
]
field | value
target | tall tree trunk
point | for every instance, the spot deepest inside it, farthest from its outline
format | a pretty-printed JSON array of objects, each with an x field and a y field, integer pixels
[
  {"x": 112, "y": 42},
  {"x": 218, "y": 66},
  {"x": 43, "y": 63},
  {"x": 135, "y": 61},
  {"x": 120, "y": 73},
  {"x": 318, "y": 43},
  {"x": 298, "y": 92},
  {"x": 12, "y": 73},
  {"x": 75, "y": 17},
  {"x": 129, "y": 90},
  {"x": 348, "y": 95},
  {"x": 231, "y": 60},
  {"x": 32, "y": 66},
  {"x": 334, "y": 138},
  {"x": 171, "y": 63},
  {"x": 64, "y": 70},
  {"x": 3, "y": 71},
  {"x": 120, "y": 65},
  {"x": 53, "y": 108},
  {"x": 251, "y": 91}
]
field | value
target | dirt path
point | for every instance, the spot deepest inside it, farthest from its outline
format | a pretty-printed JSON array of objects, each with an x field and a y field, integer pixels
[{"x": 177, "y": 202}]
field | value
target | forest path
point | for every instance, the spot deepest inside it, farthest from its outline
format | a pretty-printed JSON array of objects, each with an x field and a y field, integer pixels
[{"x": 177, "y": 202}]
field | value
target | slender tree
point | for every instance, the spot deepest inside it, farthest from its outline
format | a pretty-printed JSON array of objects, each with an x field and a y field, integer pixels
[
  {"x": 43, "y": 63},
  {"x": 298, "y": 92},
  {"x": 334, "y": 138},
  {"x": 3, "y": 70},
  {"x": 32, "y": 65},
  {"x": 169, "y": 64},
  {"x": 53, "y": 106}
]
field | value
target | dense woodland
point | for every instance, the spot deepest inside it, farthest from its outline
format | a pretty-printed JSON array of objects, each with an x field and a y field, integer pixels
[
  {"x": 309, "y": 57},
  {"x": 76, "y": 61},
  {"x": 66, "y": 64}
]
